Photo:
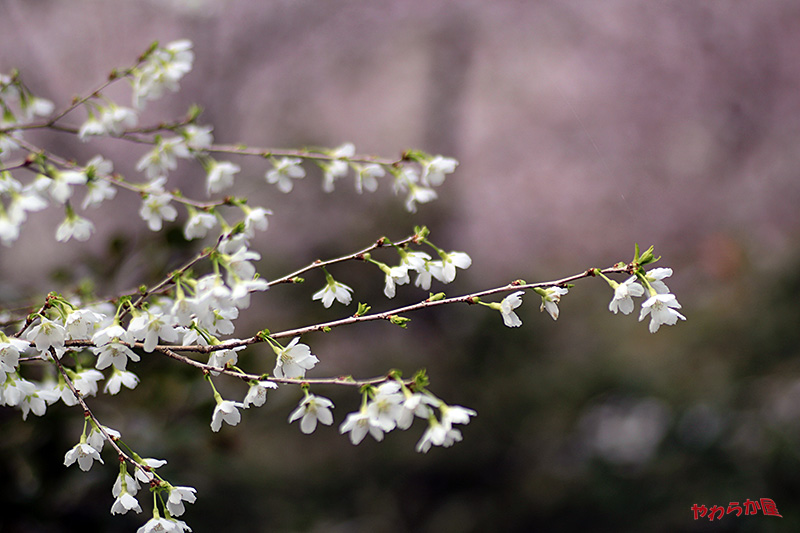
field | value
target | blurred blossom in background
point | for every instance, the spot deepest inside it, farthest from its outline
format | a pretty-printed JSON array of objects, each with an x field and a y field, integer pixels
[{"x": 581, "y": 127}]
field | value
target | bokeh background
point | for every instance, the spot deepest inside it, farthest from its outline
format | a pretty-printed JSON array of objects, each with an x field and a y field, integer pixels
[{"x": 581, "y": 127}]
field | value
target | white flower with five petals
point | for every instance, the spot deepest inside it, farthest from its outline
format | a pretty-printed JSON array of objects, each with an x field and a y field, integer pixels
[
  {"x": 333, "y": 290},
  {"x": 257, "y": 393},
  {"x": 84, "y": 454},
  {"x": 662, "y": 310},
  {"x": 358, "y": 424},
  {"x": 312, "y": 409},
  {"x": 283, "y": 171},
  {"x": 623, "y": 292},
  {"x": 225, "y": 411},
  {"x": 220, "y": 176},
  {"x": 293, "y": 360}
]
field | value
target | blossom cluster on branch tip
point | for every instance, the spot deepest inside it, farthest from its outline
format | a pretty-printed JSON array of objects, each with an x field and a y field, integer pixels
[{"x": 661, "y": 305}]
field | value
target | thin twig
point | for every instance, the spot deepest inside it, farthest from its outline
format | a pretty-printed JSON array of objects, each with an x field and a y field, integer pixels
[
  {"x": 341, "y": 380},
  {"x": 380, "y": 243}
]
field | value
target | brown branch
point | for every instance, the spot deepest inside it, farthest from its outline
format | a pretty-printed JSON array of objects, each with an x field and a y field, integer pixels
[{"x": 380, "y": 243}]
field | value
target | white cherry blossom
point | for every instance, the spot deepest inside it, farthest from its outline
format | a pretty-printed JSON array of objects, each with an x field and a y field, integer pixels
[
  {"x": 257, "y": 393},
  {"x": 337, "y": 168},
  {"x": 220, "y": 176},
  {"x": 163, "y": 69},
  {"x": 283, "y": 171},
  {"x": 198, "y": 137},
  {"x": 293, "y": 360},
  {"x": 662, "y": 310},
  {"x": 97, "y": 191},
  {"x": 226, "y": 411},
  {"x": 255, "y": 219},
  {"x": 623, "y": 292},
  {"x": 386, "y": 406},
  {"x": 312, "y": 409},
  {"x": 84, "y": 454},
  {"x": 116, "y": 119},
  {"x": 438, "y": 435},
  {"x": 455, "y": 414},
  {"x": 198, "y": 225},
  {"x": 418, "y": 193},
  {"x": 48, "y": 334},
  {"x": 445, "y": 269},
  {"x": 10, "y": 349},
  {"x": 74, "y": 227},
  {"x": 151, "y": 464},
  {"x": 435, "y": 170},
  {"x": 178, "y": 495},
  {"x": 550, "y": 299},
  {"x": 367, "y": 177},
  {"x": 131, "y": 484},
  {"x": 81, "y": 323},
  {"x": 155, "y": 209},
  {"x": 507, "y": 306},
  {"x": 97, "y": 438},
  {"x": 114, "y": 353},
  {"x": 119, "y": 378},
  {"x": 149, "y": 327},
  {"x": 60, "y": 185},
  {"x": 655, "y": 277},
  {"x": 358, "y": 424},
  {"x": 397, "y": 275},
  {"x": 125, "y": 502},
  {"x": 163, "y": 157},
  {"x": 160, "y": 525},
  {"x": 333, "y": 290},
  {"x": 416, "y": 405}
]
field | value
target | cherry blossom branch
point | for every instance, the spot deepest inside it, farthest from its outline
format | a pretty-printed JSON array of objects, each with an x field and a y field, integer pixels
[
  {"x": 114, "y": 179},
  {"x": 88, "y": 412},
  {"x": 171, "y": 277},
  {"x": 387, "y": 315},
  {"x": 467, "y": 298},
  {"x": 300, "y": 153},
  {"x": 32, "y": 316},
  {"x": 380, "y": 243},
  {"x": 341, "y": 380}
]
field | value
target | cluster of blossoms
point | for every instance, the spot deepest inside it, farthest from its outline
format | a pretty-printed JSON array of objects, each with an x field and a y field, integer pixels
[
  {"x": 416, "y": 183},
  {"x": 160, "y": 70},
  {"x": 443, "y": 269},
  {"x": 661, "y": 305},
  {"x": 168, "y": 497},
  {"x": 392, "y": 405},
  {"x": 19, "y": 107},
  {"x": 195, "y": 313}
]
